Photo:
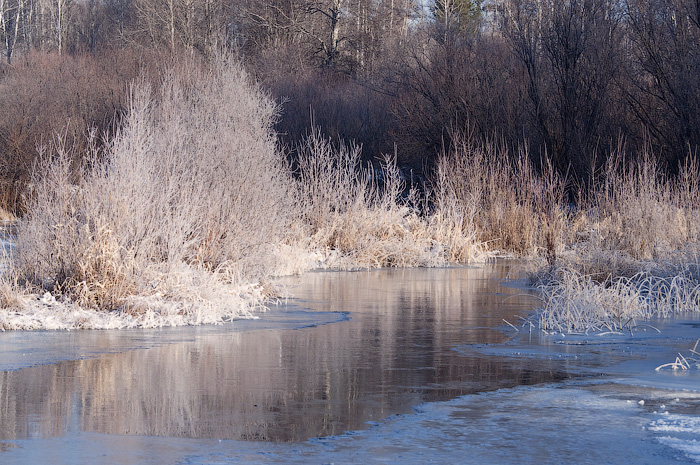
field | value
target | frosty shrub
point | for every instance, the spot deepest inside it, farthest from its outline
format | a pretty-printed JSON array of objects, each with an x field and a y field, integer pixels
[{"x": 190, "y": 194}]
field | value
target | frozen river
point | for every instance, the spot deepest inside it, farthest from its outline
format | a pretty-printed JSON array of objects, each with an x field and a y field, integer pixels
[{"x": 407, "y": 366}]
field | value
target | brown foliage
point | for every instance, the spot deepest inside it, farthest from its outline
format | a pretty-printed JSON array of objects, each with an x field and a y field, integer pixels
[{"x": 45, "y": 94}]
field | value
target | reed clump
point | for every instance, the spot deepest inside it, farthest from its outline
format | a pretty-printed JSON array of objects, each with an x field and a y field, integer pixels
[
  {"x": 684, "y": 362},
  {"x": 639, "y": 210},
  {"x": 363, "y": 215},
  {"x": 514, "y": 209},
  {"x": 576, "y": 303}
]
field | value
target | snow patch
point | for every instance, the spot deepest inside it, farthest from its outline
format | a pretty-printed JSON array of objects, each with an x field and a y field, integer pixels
[
  {"x": 689, "y": 448},
  {"x": 44, "y": 312},
  {"x": 677, "y": 424},
  {"x": 682, "y": 434}
]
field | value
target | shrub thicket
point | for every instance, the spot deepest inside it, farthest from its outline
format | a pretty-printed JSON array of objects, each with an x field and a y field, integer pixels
[
  {"x": 191, "y": 203},
  {"x": 190, "y": 192}
]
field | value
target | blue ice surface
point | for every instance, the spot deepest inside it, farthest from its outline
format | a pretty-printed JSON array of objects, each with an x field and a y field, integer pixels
[
  {"x": 636, "y": 415},
  {"x": 565, "y": 423}
]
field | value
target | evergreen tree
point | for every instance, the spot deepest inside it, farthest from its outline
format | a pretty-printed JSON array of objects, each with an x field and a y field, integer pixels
[{"x": 463, "y": 15}]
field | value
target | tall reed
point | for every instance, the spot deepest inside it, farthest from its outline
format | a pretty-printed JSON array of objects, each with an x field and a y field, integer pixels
[
  {"x": 514, "y": 209},
  {"x": 638, "y": 209},
  {"x": 363, "y": 214}
]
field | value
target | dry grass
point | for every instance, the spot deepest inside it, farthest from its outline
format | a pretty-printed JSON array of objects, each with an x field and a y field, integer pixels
[
  {"x": 6, "y": 217},
  {"x": 684, "y": 362},
  {"x": 192, "y": 200},
  {"x": 359, "y": 213},
  {"x": 574, "y": 302},
  {"x": 514, "y": 210},
  {"x": 578, "y": 303},
  {"x": 638, "y": 210}
]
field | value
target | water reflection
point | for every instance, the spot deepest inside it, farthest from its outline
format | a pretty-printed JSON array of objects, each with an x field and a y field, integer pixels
[{"x": 395, "y": 352}]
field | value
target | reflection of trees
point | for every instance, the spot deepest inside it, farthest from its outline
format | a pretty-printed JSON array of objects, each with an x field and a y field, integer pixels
[
  {"x": 36, "y": 402},
  {"x": 285, "y": 385}
]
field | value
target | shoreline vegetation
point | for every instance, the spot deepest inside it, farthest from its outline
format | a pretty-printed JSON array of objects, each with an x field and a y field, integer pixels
[
  {"x": 190, "y": 209},
  {"x": 186, "y": 212}
]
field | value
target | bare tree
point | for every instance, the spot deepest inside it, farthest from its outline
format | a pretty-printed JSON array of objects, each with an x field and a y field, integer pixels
[
  {"x": 179, "y": 24},
  {"x": 666, "y": 71},
  {"x": 456, "y": 15},
  {"x": 343, "y": 35},
  {"x": 10, "y": 18},
  {"x": 570, "y": 54}
]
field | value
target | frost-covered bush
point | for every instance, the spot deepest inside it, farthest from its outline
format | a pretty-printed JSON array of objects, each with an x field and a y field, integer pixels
[{"x": 192, "y": 186}]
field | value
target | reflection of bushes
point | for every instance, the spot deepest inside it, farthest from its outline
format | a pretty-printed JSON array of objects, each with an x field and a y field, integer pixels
[{"x": 285, "y": 385}]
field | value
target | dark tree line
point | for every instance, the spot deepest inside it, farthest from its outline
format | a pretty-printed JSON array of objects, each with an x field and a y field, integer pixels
[{"x": 567, "y": 80}]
